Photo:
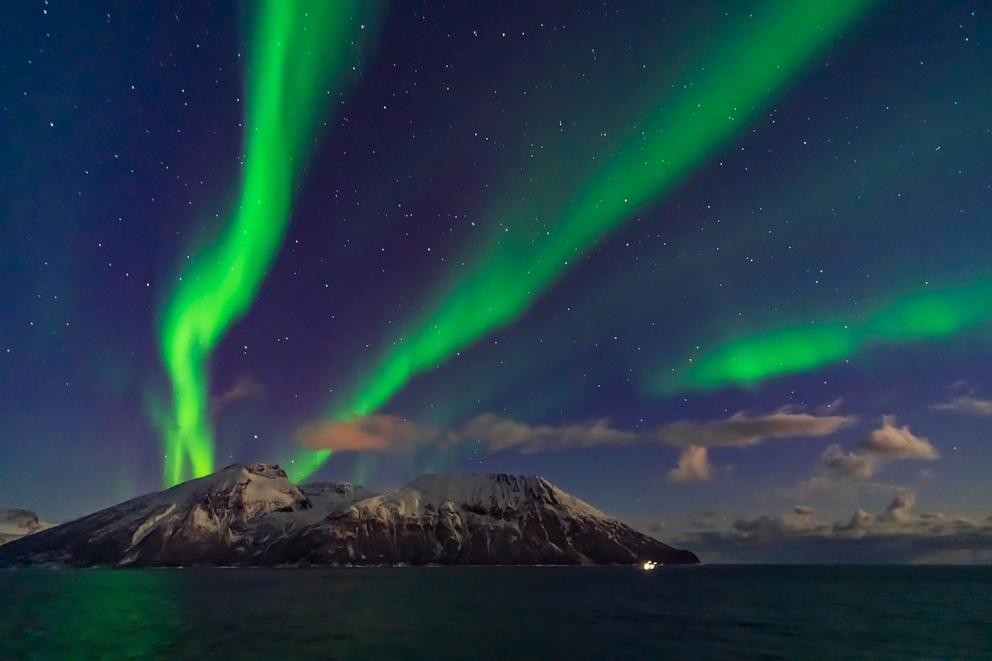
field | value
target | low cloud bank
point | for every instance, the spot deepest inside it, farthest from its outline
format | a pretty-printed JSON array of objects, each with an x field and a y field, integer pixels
[{"x": 896, "y": 535}]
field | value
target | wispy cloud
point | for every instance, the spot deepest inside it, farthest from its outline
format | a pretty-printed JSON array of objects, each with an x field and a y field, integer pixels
[
  {"x": 741, "y": 429},
  {"x": 966, "y": 404},
  {"x": 500, "y": 433},
  {"x": 372, "y": 432},
  {"x": 244, "y": 387}
]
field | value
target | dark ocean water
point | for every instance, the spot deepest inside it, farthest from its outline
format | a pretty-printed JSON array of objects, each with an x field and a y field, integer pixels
[{"x": 480, "y": 612}]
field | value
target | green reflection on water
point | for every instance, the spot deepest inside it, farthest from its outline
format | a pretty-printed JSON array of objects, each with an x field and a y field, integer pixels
[{"x": 89, "y": 614}]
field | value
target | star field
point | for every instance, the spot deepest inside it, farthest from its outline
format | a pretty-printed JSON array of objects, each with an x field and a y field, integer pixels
[{"x": 503, "y": 238}]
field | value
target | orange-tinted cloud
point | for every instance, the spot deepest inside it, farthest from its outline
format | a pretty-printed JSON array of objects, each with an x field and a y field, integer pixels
[
  {"x": 694, "y": 466},
  {"x": 372, "y": 432}
]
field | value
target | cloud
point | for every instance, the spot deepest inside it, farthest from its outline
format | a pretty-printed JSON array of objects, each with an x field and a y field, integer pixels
[
  {"x": 860, "y": 520},
  {"x": 372, "y": 432},
  {"x": 966, "y": 404},
  {"x": 897, "y": 535},
  {"x": 848, "y": 464},
  {"x": 740, "y": 430},
  {"x": 694, "y": 466},
  {"x": 497, "y": 433},
  {"x": 244, "y": 387},
  {"x": 900, "y": 510},
  {"x": 500, "y": 433},
  {"x": 381, "y": 432},
  {"x": 800, "y": 520},
  {"x": 882, "y": 445},
  {"x": 898, "y": 442}
]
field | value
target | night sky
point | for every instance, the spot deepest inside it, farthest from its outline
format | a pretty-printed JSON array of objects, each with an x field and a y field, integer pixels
[{"x": 723, "y": 270}]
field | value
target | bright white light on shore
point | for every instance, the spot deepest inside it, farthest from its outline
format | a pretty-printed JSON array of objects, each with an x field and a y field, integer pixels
[{"x": 649, "y": 565}]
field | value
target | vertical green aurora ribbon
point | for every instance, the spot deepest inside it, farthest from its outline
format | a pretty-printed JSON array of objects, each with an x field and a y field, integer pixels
[
  {"x": 731, "y": 85},
  {"x": 301, "y": 52}
]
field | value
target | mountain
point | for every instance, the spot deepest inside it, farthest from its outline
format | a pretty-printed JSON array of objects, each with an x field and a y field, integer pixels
[
  {"x": 223, "y": 518},
  {"x": 477, "y": 519},
  {"x": 15, "y": 524},
  {"x": 253, "y": 515}
]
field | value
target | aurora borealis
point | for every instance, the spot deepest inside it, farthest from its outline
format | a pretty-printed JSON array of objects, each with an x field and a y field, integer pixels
[
  {"x": 753, "y": 359},
  {"x": 299, "y": 53},
  {"x": 506, "y": 273},
  {"x": 233, "y": 230}
]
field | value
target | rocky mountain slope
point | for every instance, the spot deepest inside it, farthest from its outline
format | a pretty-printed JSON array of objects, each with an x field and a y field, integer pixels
[{"x": 253, "y": 515}]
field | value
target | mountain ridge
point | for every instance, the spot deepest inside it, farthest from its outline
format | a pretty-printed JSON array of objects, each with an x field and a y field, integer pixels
[{"x": 252, "y": 515}]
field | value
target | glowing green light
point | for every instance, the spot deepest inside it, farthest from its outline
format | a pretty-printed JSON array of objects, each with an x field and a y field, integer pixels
[
  {"x": 932, "y": 314},
  {"x": 305, "y": 463},
  {"x": 778, "y": 352},
  {"x": 728, "y": 88},
  {"x": 299, "y": 54}
]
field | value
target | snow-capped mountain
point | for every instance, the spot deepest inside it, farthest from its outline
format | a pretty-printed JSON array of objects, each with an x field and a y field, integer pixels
[
  {"x": 478, "y": 519},
  {"x": 253, "y": 515},
  {"x": 16, "y": 523}
]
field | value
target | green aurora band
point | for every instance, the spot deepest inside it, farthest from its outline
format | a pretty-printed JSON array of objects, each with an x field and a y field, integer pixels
[
  {"x": 299, "y": 55},
  {"x": 735, "y": 82},
  {"x": 757, "y": 357}
]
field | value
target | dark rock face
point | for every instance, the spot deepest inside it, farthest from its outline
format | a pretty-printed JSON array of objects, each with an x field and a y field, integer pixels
[
  {"x": 448, "y": 540},
  {"x": 253, "y": 515},
  {"x": 203, "y": 521},
  {"x": 476, "y": 519}
]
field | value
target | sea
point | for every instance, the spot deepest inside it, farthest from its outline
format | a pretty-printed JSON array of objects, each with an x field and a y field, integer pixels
[{"x": 705, "y": 612}]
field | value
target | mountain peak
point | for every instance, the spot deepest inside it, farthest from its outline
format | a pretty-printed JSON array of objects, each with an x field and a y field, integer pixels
[
  {"x": 497, "y": 492},
  {"x": 260, "y": 469},
  {"x": 244, "y": 490},
  {"x": 251, "y": 514},
  {"x": 479, "y": 481}
]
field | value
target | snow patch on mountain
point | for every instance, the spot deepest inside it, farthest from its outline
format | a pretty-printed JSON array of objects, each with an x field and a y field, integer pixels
[
  {"x": 328, "y": 497},
  {"x": 479, "y": 519},
  {"x": 497, "y": 492},
  {"x": 493, "y": 494},
  {"x": 253, "y": 515}
]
